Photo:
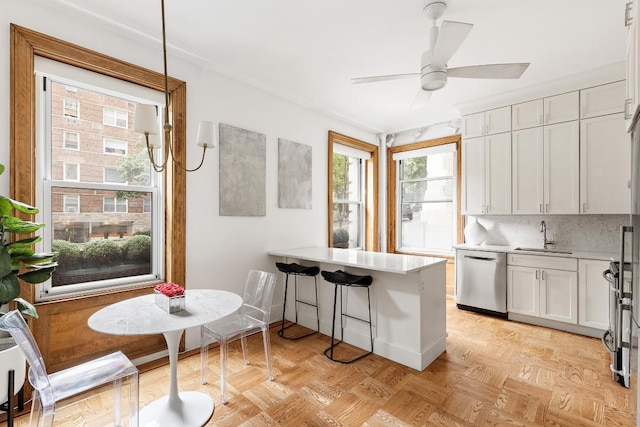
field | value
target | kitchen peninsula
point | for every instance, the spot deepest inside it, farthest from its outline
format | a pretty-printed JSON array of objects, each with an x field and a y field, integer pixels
[{"x": 407, "y": 301}]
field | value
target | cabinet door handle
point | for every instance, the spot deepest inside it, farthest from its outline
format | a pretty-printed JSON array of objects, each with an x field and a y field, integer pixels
[
  {"x": 627, "y": 110},
  {"x": 584, "y": 207},
  {"x": 628, "y": 19},
  {"x": 540, "y": 119},
  {"x": 537, "y": 275},
  {"x": 540, "y": 207},
  {"x": 546, "y": 208},
  {"x": 546, "y": 118},
  {"x": 543, "y": 275}
]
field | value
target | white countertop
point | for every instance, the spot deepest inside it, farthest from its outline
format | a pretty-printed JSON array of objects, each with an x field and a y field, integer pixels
[
  {"x": 378, "y": 261},
  {"x": 604, "y": 256}
]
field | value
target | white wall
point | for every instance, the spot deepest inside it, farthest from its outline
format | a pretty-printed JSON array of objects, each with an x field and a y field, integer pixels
[{"x": 220, "y": 250}]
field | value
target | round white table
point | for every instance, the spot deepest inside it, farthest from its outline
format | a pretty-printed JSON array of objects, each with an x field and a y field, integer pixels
[{"x": 141, "y": 316}]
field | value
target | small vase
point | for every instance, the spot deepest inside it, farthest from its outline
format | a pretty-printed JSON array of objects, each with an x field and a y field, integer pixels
[{"x": 475, "y": 233}]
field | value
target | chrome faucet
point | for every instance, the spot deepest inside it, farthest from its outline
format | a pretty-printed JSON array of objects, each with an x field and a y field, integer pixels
[{"x": 543, "y": 230}]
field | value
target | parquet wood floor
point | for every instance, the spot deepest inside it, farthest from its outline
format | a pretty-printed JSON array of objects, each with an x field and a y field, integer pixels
[{"x": 494, "y": 373}]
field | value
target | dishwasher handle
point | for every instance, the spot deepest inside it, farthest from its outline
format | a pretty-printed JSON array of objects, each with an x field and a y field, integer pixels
[{"x": 480, "y": 258}]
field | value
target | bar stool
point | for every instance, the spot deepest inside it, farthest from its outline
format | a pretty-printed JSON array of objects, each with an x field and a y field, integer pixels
[
  {"x": 298, "y": 270},
  {"x": 341, "y": 278}
]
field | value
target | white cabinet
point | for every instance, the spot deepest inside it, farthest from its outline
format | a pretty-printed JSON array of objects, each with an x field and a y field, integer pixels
[
  {"x": 486, "y": 123},
  {"x": 632, "y": 99},
  {"x": 527, "y": 115},
  {"x": 542, "y": 286},
  {"x": 593, "y": 294},
  {"x": 561, "y": 108},
  {"x": 561, "y": 168},
  {"x": 605, "y": 149},
  {"x": 545, "y": 165},
  {"x": 602, "y": 100},
  {"x": 527, "y": 178},
  {"x": 486, "y": 177}
]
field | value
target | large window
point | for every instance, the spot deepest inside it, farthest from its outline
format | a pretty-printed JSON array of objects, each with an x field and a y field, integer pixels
[
  {"x": 115, "y": 239},
  {"x": 353, "y": 169},
  {"x": 424, "y": 197}
]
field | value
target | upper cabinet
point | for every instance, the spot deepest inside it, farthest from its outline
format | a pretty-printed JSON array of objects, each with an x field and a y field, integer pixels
[
  {"x": 487, "y": 123},
  {"x": 486, "y": 177},
  {"x": 527, "y": 115},
  {"x": 602, "y": 100},
  {"x": 561, "y": 108},
  {"x": 546, "y": 111},
  {"x": 605, "y": 171},
  {"x": 632, "y": 98}
]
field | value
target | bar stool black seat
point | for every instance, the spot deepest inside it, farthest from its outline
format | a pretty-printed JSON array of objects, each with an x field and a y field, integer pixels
[
  {"x": 298, "y": 270},
  {"x": 341, "y": 279}
]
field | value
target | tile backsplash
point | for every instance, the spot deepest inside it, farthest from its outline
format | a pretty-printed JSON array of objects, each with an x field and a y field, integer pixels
[{"x": 569, "y": 232}]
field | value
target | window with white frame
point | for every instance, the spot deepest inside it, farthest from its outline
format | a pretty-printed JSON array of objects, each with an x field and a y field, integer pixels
[
  {"x": 114, "y": 146},
  {"x": 426, "y": 199},
  {"x": 71, "y": 203},
  {"x": 348, "y": 215},
  {"x": 112, "y": 175},
  {"x": 71, "y": 109},
  {"x": 71, "y": 172},
  {"x": 113, "y": 117},
  {"x": 113, "y": 189},
  {"x": 114, "y": 204},
  {"x": 71, "y": 140}
]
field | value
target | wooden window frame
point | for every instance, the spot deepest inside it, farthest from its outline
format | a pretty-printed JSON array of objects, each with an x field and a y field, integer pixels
[
  {"x": 72, "y": 313},
  {"x": 371, "y": 189},
  {"x": 392, "y": 185}
]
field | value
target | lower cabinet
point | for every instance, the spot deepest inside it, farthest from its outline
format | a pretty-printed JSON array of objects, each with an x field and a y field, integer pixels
[
  {"x": 543, "y": 286},
  {"x": 593, "y": 294}
]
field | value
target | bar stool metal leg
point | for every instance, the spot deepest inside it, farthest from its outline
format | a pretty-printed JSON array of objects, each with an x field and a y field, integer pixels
[{"x": 298, "y": 270}]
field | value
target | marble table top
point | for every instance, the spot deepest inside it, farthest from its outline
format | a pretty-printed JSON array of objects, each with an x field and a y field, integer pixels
[{"x": 141, "y": 316}]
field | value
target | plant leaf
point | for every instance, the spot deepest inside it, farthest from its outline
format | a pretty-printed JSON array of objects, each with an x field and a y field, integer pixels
[
  {"x": 25, "y": 242},
  {"x": 23, "y": 207},
  {"x": 5, "y": 262},
  {"x": 18, "y": 226},
  {"x": 23, "y": 252},
  {"x": 38, "y": 275},
  {"x": 1, "y": 169},
  {"x": 5, "y": 206},
  {"x": 37, "y": 259},
  {"x": 9, "y": 288},
  {"x": 26, "y": 307}
]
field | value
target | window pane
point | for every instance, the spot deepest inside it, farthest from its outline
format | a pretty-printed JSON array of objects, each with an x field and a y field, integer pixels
[
  {"x": 427, "y": 188},
  {"x": 71, "y": 140},
  {"x": 429, "y": 227},
  {"x": 347, "y": 225},
  {"x": 414, "y": 168},
  {"x": 113, "y": 175},
  {"x": 97, "y": 246},
  {"x": 71, "y": 172},
  {"x": 346, "y": 177},
  {"x": 99, "y": 142}
]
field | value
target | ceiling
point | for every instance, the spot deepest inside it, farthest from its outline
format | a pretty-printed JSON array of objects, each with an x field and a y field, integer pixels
[{"x": 307, "y": 51}]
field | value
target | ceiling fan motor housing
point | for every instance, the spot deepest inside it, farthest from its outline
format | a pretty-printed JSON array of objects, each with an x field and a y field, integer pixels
[{"x": 433, "y": 77}]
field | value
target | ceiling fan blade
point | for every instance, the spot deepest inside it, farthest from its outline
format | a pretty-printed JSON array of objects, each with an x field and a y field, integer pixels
[
  {"x": 421, "y": 100},
  {"x": 490, "y": 71},
  {"x": 372, "y": 79},
  {"x": 450, "y": 37}
]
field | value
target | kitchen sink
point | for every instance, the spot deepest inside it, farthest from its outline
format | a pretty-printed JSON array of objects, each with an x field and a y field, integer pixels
[{"x": 552, "y": 251}]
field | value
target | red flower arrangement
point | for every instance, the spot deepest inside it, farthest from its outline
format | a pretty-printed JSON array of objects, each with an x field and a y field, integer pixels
[{"x": 169, "y": 289}]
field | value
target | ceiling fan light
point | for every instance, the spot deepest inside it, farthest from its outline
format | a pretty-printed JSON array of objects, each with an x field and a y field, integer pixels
[{"x": 433, "y": 80}]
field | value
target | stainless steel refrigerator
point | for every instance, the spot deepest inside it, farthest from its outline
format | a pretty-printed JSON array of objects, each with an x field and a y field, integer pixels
[{"x": 623, "y": 276}]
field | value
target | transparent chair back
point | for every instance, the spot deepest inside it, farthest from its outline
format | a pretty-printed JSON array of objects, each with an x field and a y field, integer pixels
[
  {"x": 253, "y": 317},
  {"x": 114, "y": 368}
]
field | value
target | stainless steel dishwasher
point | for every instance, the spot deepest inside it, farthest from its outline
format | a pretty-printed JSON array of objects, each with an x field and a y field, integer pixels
[{"x": 481, "y": 281}]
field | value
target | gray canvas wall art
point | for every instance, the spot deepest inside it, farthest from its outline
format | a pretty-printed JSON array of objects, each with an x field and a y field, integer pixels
[
  {"x": 294, "y": 175},
  {"x": 243, "y": 172}
]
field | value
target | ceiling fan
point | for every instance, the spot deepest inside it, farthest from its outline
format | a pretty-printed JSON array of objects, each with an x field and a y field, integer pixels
[{"x": 443, "y": 44}]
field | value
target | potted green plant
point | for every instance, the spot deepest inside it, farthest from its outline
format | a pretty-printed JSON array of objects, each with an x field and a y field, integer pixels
[
  {"x": 17, "y": 258},
  {"x": 18, "y": 261}
]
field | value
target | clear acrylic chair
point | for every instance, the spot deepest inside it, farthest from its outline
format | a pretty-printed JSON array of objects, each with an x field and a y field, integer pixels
[
  {"x": 253, "y": 317},
  {"x": 71, "y": 383}
]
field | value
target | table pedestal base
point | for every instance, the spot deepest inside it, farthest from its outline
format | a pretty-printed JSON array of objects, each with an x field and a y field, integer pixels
[{"x": 193, "y": 409}]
